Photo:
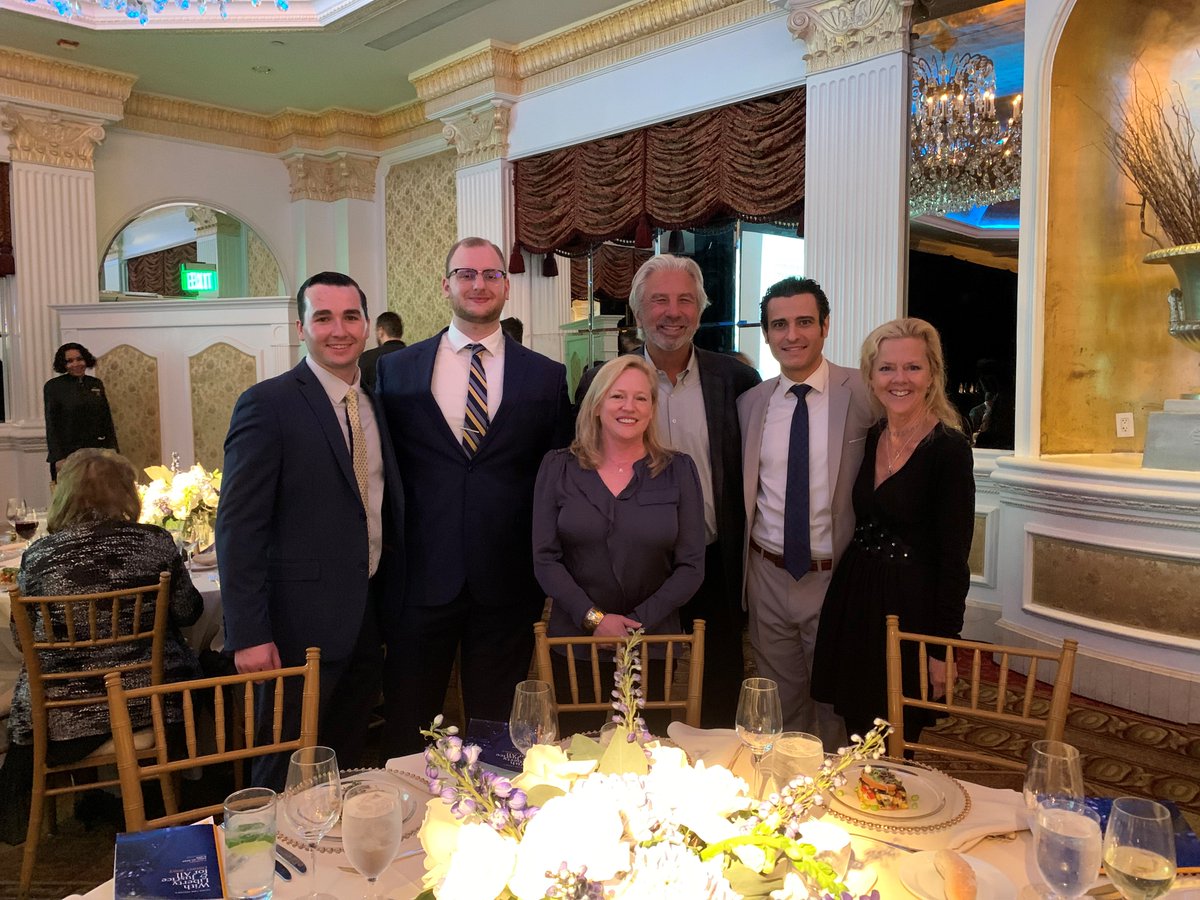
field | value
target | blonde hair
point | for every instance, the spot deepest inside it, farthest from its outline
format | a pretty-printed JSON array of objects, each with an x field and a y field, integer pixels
[
  {"x": 94, "y": 485},
  {"x": 587, "y": 446},
  {"x": 936, "y": 400}
]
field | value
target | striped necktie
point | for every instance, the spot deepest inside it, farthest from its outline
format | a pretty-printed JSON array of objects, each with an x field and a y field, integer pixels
[
  {"x": 358, "y": 444},
  {"x": 475, "y": 422}
]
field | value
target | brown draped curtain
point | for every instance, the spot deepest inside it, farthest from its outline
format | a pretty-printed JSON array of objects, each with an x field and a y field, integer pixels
[
  {"x": 8, "y": 263},
  {"x": 158, "y": 272},
  {"x": 613, "y": 267},
  {"x": 742, "y": 161}
]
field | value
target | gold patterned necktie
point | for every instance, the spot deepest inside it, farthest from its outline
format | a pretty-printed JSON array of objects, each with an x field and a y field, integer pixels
[
  {"x": 475, "y": 417},
  {"x": 358, "y": 444}
]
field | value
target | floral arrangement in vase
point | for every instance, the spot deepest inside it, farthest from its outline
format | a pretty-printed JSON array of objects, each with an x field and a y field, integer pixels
[
  {"x": 630, "y": 820},
  {"x": 184, "y": 503}
]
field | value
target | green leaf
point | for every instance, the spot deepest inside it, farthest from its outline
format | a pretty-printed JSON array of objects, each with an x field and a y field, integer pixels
[
  {"x": 539, "y": 794},
  {"x": 750, "y": 884},
  {"x": 584, "y": 748},
  {"x": 623, "y": 756},
  {"x": 426, "y": 895}
]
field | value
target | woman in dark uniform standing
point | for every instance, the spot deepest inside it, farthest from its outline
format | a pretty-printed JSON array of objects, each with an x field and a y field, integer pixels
[{"x": 77, "y": 412}]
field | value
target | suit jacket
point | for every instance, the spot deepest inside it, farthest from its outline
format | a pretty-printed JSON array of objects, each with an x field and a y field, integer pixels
[
  {"x": 722, "y": 380},
  {"x": 849, "y": 418},
  {"x": 369, "y": 361},
  {"x": 470, "y": 519},
  {"x": 291, "y": 529}
]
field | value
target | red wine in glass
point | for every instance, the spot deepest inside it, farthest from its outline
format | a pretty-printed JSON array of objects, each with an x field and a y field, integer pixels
[{"x": 26, "y": 526}]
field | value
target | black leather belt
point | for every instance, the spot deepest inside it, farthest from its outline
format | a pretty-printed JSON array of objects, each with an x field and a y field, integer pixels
[{"x": 818, "y": 565}]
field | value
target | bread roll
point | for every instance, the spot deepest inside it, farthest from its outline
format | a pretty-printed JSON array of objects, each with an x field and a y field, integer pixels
[{"x": 957, "y": 873}]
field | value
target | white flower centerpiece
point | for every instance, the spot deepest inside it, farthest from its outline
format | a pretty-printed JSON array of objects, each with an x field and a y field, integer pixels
[
  {"x": 184, "y": 503},
  {"x": 633, "y": 820}
]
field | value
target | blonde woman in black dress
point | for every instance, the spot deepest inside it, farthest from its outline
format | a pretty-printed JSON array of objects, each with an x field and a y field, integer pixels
[{"x": 914, "y": 505}]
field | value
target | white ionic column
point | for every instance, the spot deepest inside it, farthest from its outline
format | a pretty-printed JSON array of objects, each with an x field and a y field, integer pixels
[
  {"x": 856, "y": 160},
  {"x": 54, "y": 240}
]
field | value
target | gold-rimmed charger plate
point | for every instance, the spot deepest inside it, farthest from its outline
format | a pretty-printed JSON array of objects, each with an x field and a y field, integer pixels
[
  {"x": 951, "y": 808},
  {"x": 332, "y": 842}
]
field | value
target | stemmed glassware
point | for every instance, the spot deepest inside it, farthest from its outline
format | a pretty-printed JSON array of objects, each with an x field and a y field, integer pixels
[
  {"x": 533, "y": 720},
  {"x": 372, "y": 829},
  {"x": 1139, "y": 848},
  {"x": 759, "y": 719},
  {"x": 1066, "y": 843},
  {"x": 13, "y": 510},
  {"x": 1054, "y": 771},
  {"x": 313, "y": 800},
  {"x": 23, "y": 518}
]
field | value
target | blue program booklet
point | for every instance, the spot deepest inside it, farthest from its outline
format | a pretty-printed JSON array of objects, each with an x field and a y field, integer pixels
[
  {"x": 165, "y": 863},
  {"x": 495, "y": 746}
]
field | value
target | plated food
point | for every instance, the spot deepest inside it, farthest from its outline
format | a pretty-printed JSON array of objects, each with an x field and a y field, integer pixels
[
  {"x": 880, "y": 788},
  {"x": 8, "y": 578}
]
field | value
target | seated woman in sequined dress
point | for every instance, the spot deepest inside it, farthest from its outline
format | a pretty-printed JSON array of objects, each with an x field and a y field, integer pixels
[
  {"x": 914, "y": 505},
  {"x": 95, "y": 543}
]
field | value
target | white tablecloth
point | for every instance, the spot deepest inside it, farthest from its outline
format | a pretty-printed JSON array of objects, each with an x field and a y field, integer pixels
[{"x": 207, "y": 632}]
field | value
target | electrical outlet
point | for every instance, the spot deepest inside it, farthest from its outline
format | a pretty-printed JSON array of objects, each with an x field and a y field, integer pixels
[{"x": 1124, "y": 425}]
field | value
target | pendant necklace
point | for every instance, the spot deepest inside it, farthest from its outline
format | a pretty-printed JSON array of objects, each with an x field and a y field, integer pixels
[{"x": 896, "y": 452}]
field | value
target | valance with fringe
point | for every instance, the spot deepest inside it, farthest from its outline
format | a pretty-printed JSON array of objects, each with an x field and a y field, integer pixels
[{"x": 742, "y": 161}]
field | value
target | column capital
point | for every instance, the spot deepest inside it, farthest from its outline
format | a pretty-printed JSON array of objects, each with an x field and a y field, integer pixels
[
  {"x": 841, "y": 32},
  {"x": 50, "y": 138},
  {"x": 341, "y": 176},
  {"x": 481, "y": 133}
]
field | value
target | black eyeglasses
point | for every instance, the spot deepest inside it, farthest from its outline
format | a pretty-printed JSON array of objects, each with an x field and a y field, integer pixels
[{"x": 467, "y": 276}]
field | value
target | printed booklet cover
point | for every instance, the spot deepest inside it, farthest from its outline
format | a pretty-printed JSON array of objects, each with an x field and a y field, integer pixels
[{"x": 165, "y": 863}]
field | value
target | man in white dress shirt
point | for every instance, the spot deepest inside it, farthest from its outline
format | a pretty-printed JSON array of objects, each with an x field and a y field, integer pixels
[{"x": 815, "y": 450}]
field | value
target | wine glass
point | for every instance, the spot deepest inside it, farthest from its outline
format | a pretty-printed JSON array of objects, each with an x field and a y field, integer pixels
[
  {"x": 24, "y": 520},
  {"x": 759, "y": 718},
  {"x": 1139, "y": 848},
  {"x": 1066, "y": 843},
  {"x": 372, "y": 829},
  {"x": 533, "y": 720},
  {"x": 1053, "y": 771},
  {"x": 313, "y": 800},
  {"x": 13, "y": 512}
]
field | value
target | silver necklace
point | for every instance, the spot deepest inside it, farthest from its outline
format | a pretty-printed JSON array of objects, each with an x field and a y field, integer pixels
[{"x": 896, "y": 452}]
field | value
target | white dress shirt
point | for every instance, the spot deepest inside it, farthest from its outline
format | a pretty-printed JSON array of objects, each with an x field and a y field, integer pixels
[
  {"x": 767, "y": 530},
  {"x": 337, "y": 389},
  {"x": 452, "y": 372}
]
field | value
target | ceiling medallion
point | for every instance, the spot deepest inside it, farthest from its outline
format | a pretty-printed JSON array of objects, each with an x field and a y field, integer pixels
[
  {"x": 960, "y": 154},
  {"x": 140, "y": 10}
]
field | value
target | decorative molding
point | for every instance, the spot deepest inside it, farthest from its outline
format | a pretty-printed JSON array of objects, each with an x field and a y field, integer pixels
[
  {"x": 202, "y": 217},
  {"x": 50, "y": 138},
  {"x": 481, "y": 134},
  {"x": 841, "y": 32},
  {"x": 45, "y": 82},
  {"x": 488, "y": 68},
  {"x": 338, "y": 177}
]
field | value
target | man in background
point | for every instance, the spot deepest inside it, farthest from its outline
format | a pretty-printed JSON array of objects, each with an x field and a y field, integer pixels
[
  {"x": 389, "y": 331},
  {"x": 471, "y": 413}
]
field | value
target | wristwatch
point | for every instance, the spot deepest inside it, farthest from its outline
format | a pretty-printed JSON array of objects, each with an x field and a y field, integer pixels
[{"x": 591, "y": 619}]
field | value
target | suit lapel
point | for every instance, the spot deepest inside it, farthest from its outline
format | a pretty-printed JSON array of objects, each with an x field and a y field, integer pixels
[
  {"x": 515, "y": 374},
  {"x": 318, "y": 401},
  {"x": 428, "y": 351},
  {"x": 839, "y": 407},
  {"x": 750, "y": 458},
  {"x": 712, "y": 388}
]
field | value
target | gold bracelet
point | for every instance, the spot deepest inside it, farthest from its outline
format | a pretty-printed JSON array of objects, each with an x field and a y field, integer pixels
[{"x": 591, "y": 619}]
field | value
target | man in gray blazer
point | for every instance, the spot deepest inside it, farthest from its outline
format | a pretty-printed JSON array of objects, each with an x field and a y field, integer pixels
[{"x": 803, "y": 435}]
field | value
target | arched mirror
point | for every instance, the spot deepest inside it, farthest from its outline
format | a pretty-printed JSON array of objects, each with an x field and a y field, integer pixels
[{"x": 188, "y": 251}]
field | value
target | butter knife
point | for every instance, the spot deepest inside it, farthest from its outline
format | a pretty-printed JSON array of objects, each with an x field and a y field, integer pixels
[
  {"x": 290, "y": 858},
  {"x": 282, "y": 871}
]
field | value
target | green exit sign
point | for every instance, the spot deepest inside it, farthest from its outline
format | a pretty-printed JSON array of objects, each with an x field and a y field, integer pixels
[{"x": 199, "y": 280}]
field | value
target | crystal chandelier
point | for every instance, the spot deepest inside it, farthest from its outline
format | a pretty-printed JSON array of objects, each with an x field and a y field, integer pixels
[
  {"x": 141, "y": 10},
  {"x": 961, "y": 156}
]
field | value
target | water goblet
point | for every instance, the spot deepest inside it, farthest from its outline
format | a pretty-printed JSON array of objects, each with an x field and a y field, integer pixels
[
  {"x": 759, "y": 719},
  {"x": 313, "y": 800},
  {"x": 372, "y": 829},
  {"x": 1139, "y": 848},
  {"x": 793, "y": 754},
  {"x": 1053, "y": 771},
  {"x": 1066, "y": 843},
  {"x": 249, "y": 829},
  {"x": 533, "y": 720}
]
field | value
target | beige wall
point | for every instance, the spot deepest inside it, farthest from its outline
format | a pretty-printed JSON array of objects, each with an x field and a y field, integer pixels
[
  {"x": 421, "y": 225},
  {"x": 1106, "y": 344}
]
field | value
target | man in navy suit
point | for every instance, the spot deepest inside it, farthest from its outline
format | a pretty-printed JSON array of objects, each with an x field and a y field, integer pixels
[
  {"x": 471, "y": 414},
  {"x": 310, "y": 490}
]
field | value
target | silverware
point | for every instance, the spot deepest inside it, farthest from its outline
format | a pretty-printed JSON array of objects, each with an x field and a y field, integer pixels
[
  {"x": 282, "y": 871},
  {"x": 878, "y": 840},
  {"x": 290, "y": 858}
]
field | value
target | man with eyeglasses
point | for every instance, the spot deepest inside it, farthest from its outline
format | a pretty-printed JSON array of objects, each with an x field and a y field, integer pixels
[{"x": 471, "y": 414}]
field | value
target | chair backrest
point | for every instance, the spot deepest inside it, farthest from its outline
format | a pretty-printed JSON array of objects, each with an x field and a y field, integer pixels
[
  {"x": 968, "y": 655},
  {"x": 133, "y": 772},
  {"x": 50, "y": 627},
  {"x": 674, "y": 644}
]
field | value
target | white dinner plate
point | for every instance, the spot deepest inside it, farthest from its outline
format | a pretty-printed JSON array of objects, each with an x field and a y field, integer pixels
[
  {"x": 860, "y": 877},
  {"x": 924, "y": 796},
  {"x": 332, "y": 842},
  {"x": 920, "y": 876}
]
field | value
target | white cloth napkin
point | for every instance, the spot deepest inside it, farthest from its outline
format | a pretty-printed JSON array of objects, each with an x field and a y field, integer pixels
[
  {"x": 993, "y": 811},
  {"x": 12, "y": 551},
  {"x": 715, "y": 746},
  {"x": 205, "y": 560}
]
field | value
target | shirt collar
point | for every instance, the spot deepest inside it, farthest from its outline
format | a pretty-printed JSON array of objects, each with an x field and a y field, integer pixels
[
  {"x": 818, "y": 380},
  {"x": 494, "y": 342},
  {"x": 334, "y": 386},
  {"x": 690, "y": 368}
]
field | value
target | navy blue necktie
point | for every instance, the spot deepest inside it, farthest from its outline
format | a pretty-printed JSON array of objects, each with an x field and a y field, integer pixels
[
  {"x": 475, "y": 419},
  {"x": 797, "y": 552}
]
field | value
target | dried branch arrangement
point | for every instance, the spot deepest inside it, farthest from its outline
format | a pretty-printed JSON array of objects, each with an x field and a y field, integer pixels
[{"x": 1155, "y": 148}]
